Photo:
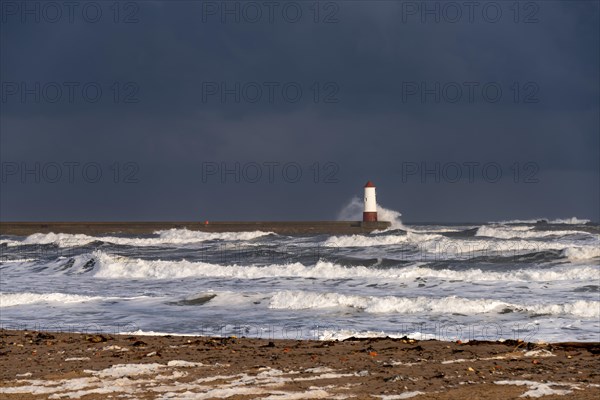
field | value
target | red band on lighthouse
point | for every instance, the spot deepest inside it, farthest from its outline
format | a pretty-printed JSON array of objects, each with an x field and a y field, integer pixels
[{"x": 370, "y": 210}]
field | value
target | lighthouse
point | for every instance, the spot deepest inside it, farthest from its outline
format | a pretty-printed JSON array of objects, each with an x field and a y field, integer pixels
[{"x": 370, "y": 211}]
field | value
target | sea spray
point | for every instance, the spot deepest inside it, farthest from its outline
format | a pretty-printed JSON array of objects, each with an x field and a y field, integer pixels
[{"x": 352, "y": 211}]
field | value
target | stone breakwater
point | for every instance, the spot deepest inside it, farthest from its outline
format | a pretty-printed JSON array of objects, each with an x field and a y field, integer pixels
[{"x": 279, "y": 227}]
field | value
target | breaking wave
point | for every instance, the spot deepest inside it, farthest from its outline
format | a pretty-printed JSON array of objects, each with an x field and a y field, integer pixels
[
  {"x": 301, "y": 300},
  {"x": 166, "y": 237},
  {"x": 109, "y": 266},
  {"x": 566, "y": 221},
  {"x": 582, "y": 253},
  {"x": 517, "y": 232},
  {"x": 16, "y": 299},
  {"x": 382, "y": 240},
  {"x": 449, "y": 248}
]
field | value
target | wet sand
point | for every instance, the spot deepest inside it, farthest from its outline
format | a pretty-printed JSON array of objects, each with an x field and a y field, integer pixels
[
  {"x": 141, "y": 228},
  {"x": 100, "y": 366}
]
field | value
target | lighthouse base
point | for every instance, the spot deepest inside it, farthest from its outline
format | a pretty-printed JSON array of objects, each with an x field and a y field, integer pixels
[{"x": 369, "y": 216}]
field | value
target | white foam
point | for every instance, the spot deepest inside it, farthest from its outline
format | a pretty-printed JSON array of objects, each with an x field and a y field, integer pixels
[
  {"x": 302, "y": 300},
  {"x": 115, "y": 379},
  {"x": 17, "y": 260},
  {"x": 386, "y": 214},
  {"x": 381, "y": 240},
  {"x": 187, "y": 236},
  {"x": 363, "y": 241},
  {"x": 116, "y": 267},
  {"x": 354, "y": 209},
  {"x": 43, "y": 387},
  {"x": 184, "y": 364},
  {"x": 438, "y": 246},
  {"x": 114, "y": 347},
  {"x": 527, "y": 275},
  {"x": 16, "y": 299},
  {"x": 9, "y": 242},
  {"x": 581, "y": 253},
  {"x": 569, "y": 221},
  {"x": 436, "y": 229},
  {"x": 512, "y": 232},
  {"x": 318, "y": 370},
  {"x": 539, "y": 389},
  {"x": 124, "y": 370},
  {"x": 539, "y": 353},
  {"x": 155, "y": 333},
  {"x": 579, "y": 308},
  {"x": 462, "y": 360},
  {"x": 59, "y": 239},
  {"x": 458, "y": 360},
  {"x": 141, "y": 380},
  {"x": 165, "y": 237},
  {"x": 405, "y": 395},
  {"x": 518, "y": 221},
  {"x": 343, "y": 334}
]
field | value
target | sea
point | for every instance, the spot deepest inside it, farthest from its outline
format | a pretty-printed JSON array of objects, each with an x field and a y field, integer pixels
[{"x": 534, "y": 280}]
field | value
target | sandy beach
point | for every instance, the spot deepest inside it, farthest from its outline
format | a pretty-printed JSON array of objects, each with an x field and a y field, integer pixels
[{"x": 100, "y": 366}]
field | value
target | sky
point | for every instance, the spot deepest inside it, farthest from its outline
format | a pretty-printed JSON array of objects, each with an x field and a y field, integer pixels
[{"x": 282, "y": 110}]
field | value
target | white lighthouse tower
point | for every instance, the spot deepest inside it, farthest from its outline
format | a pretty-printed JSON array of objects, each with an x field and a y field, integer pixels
[{"x": 370, "y": 211}]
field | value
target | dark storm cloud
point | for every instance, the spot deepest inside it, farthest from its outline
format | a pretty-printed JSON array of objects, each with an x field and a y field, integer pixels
[{"x": 369, "y": 120}]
